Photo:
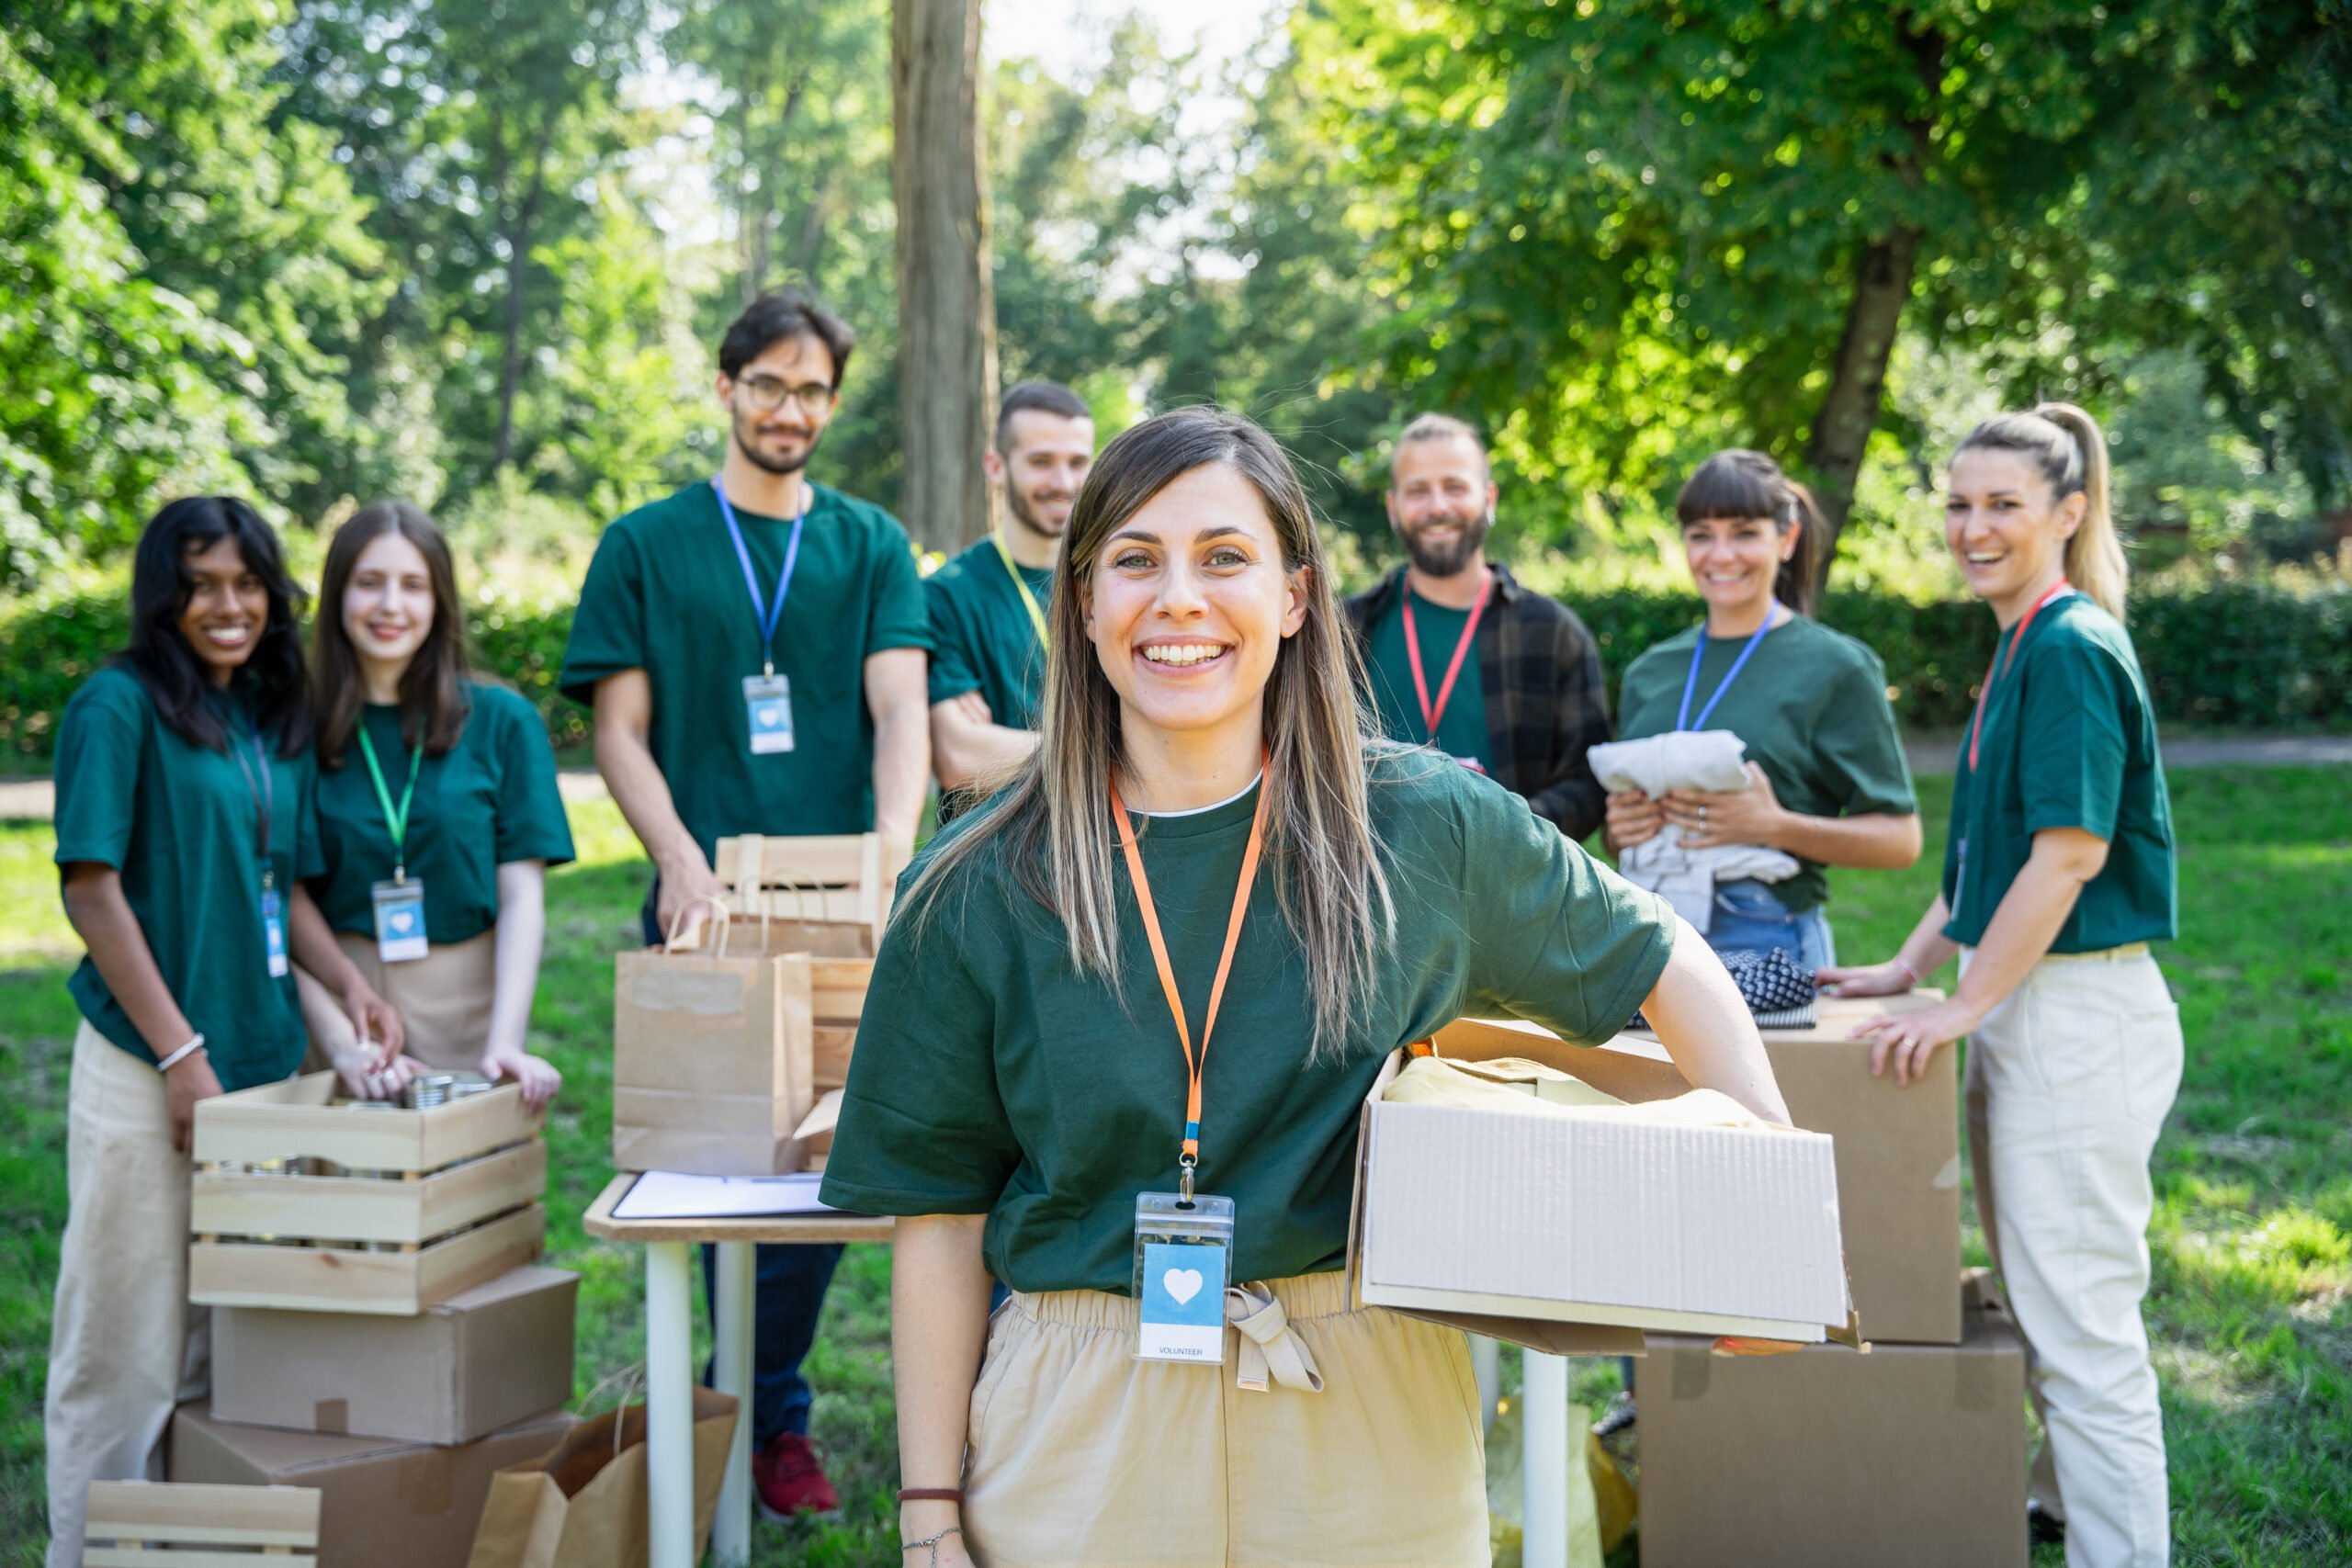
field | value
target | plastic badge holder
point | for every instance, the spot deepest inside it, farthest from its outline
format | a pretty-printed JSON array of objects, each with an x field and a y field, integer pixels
[{"x": 1184, "y": 1249}]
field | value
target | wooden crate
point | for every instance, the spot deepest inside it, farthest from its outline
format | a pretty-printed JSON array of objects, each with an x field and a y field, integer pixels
[
  {"x": 297, "y": 1278},
  {"x": 308, "y": 1117},
  {"x": 385, "y": 1211},
  {"x": 150, "y": 1524},
  {"x": 837, "y": 1000},
  {"x": 850, "y": 878}
]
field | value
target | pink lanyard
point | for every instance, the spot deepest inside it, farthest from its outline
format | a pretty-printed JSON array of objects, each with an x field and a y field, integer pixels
[{"x": 1983, "y": 699}]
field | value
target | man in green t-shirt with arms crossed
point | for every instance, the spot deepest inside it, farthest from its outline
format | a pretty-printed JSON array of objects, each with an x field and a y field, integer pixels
[
  {"x": 754, "y": 646},
  {"x": 987, "y": 605}
]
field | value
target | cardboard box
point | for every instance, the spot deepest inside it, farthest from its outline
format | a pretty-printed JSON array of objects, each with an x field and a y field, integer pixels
[
  {"x": 1906, "y": 1453},
  {"x": 1898, "y": 1165},
  {"x": 480, "y": 1360},
  {"x": 384, "y": 1504},
  {"x": 1506, "y": 1224}
]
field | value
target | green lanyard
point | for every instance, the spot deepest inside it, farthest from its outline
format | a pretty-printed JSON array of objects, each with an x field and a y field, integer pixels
[
  {"x": 396, "y": 821},
  {"x": 1029, "y": 600}
]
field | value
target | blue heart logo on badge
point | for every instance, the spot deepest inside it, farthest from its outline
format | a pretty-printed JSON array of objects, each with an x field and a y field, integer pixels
[
  {"x": 1182, "y": 1284},
  {"x": 401, "y": 920},
  {"x": 769, "y": 718}
]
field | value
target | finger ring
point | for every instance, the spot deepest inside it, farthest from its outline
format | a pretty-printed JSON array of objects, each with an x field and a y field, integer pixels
[{"x": 1702, "y": 816}]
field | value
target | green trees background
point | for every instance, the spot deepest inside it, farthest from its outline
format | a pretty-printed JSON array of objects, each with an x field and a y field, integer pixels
[{"x": 475, "y": 252}]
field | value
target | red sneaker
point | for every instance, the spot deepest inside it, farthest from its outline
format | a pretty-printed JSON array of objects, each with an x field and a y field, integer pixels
[{"x": 788, "y": 1478}]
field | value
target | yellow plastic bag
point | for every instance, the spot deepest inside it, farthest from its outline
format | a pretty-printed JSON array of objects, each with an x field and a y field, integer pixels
[{"x": 1506, "y": 1492}]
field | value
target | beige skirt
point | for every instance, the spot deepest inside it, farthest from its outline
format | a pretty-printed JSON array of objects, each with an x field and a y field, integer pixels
[
  {"x": 442, "y": 998},
  {"x": 1081, "y": 1454}
]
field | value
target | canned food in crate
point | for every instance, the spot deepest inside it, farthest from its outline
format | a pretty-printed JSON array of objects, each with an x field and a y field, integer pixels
[{"x": 430, "y": 1091}]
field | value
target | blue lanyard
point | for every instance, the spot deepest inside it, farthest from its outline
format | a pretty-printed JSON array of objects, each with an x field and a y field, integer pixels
[
  {"x": 1699, "y": 651},
  {"x": 264, "y": 796},
  {"x": 770, "y": 616}
]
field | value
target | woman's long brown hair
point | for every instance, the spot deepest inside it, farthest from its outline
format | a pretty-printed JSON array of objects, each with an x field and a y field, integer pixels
[
  {"x": 1055, "y": 814},
  {"x": 434, "y": 699}
]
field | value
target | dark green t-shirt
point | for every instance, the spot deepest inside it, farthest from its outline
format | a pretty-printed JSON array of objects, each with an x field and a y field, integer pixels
[
  {"x": 981, "y": 637},
  {"x": 2069, "y": 741},
  {"x": 1811, "y": 707},
  {"x": 183, "y": 826},
  {"x": 666, "y": 595},
  {"x": 493, "y": 798},
  {"x": 1462, "y": 727},
  {"x": 990, "y": 1078}
]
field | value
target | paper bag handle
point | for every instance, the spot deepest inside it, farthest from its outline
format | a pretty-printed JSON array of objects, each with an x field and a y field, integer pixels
[{"x": 678, "y": 923}]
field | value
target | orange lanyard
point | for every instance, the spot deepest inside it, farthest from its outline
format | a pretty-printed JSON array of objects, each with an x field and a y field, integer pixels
[
  {"x": 1431, "y": 713},
  {"x": 2058, "y": 590},
  {"x": 1194, "y": 1064}
]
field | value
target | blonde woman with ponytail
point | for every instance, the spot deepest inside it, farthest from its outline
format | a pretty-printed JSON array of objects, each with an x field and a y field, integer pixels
[
  {"x": 2058, "y": 873},
  {"x": 1168, "y": 957}
]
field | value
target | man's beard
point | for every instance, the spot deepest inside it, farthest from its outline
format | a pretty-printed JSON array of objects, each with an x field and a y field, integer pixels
[
  {"x": 1018, "y": 505},
  {"x": 792, "y": 465},
  {"x": 1445, "y": 561}
]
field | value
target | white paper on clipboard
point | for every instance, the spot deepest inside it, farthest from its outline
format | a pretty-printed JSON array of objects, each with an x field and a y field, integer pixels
[{"x": 671, "y": 1195}]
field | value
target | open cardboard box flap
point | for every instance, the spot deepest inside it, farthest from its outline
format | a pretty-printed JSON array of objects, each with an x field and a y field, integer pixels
[{"x": 1800, "y": 1252}]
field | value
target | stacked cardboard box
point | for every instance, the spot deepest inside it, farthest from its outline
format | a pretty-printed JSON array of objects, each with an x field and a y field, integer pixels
[
  {"x": 381, "y": 1333},
  {"x": 1911, "y": 1451}
]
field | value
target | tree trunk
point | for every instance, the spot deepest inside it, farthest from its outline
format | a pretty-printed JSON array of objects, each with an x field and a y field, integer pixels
[
  {"x": 946, "y": 302},
  {"x": 518, "y": 261},
  {"x": 1858, "y": 379}
]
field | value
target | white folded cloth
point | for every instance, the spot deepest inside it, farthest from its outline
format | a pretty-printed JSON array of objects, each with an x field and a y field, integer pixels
[{"x": 1709, "y": 760}]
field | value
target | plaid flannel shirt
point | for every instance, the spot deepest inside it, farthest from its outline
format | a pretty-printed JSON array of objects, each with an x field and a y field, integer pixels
[{"x": 1547, "y": 704}]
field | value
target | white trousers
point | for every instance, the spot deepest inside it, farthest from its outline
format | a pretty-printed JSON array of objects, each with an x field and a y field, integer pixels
[
  {"x": 2068, "y": 1080},
  {"x": 124, "y": 1346}
]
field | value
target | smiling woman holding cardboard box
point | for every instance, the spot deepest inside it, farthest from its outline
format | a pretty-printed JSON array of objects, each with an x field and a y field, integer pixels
[
  {"x": 1108, "y": 1060},
  {"x": 438, "y": 811},
  {"x": 2058, "y": 875}
]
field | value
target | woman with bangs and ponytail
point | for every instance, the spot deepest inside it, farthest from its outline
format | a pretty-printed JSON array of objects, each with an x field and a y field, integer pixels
[
  {"x": 2057, "y": 875},
  {"x": 1160, "y": 967},
  {"x": 438, "y": 811},
  {"x": 1827, "y": 785}
]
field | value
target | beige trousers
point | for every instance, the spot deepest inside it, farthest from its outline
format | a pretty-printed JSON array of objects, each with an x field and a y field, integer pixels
[
  {"x": 2069, "y": 1079},
  {"x": 1081, "y": 1454},
  {"x": 124, "y": 1346},
  {"x": 443, "y": 998}
]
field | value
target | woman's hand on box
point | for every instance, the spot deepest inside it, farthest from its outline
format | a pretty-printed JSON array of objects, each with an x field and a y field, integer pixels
[
  {"x": 190, "y": 1079},
  {"x": 536, "y": 1077},
  {"x": 1910, "y": 1040}
]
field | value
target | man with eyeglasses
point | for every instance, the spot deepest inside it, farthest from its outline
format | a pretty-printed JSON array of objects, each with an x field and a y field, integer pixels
[{"x": 755, "y": 648}]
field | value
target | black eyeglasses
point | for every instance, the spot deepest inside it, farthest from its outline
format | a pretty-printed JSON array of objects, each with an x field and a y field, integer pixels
[{"x": 767, "y": 394}]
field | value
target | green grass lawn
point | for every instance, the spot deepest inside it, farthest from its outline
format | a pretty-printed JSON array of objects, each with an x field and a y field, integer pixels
[{"x": 2252, "y": 1264}]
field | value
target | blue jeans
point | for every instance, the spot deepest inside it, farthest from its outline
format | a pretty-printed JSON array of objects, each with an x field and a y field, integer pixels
[
  {"x": 1750, "y": 918},
  {"x": 788, "y": 1295}
]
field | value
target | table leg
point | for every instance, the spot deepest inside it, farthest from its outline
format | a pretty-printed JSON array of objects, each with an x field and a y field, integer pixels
[
  {"x": 731, "y": 1327},
  {"x": 1543, "y": 1414},
  {"x": 669, "y": 1404},
  {"x": 1486, "y": 1365}
]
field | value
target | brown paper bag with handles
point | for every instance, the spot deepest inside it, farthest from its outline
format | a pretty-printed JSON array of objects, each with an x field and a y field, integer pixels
[
  {"x": 584, "y": 1505},
  {"x": 827, "y": 894},
  {"x": 712, "y": 1055}
]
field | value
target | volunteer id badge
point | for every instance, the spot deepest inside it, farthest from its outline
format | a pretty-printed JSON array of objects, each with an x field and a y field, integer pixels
[
  {"x": 1181, "y": 1273},
  {"x": 399, "y": 921},
  {"x": 767, "y": 700},
  {"x": 272, "y": 932}
]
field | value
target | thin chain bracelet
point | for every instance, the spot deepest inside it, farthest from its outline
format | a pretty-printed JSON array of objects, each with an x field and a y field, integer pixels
[{"x": 932, "y": 1541}]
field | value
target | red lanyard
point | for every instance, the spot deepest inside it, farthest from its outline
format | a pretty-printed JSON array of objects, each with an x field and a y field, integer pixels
[
  {"x": 2058, "y": 590},
  {"x": 1431, "y": 715},
  {"x": 1194, "y": 1064}
]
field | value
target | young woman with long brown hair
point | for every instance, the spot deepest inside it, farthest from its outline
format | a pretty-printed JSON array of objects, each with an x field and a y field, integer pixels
[
  {"x": 1090, "y": 995},
  {"x": 438, "y": 812},
  {"x": 2058, "y": 873},
  {"x": 185, "y": 824}
]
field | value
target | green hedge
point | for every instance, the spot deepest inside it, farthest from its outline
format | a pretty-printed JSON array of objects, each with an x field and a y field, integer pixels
[{"x": 2227, "y": 655}]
